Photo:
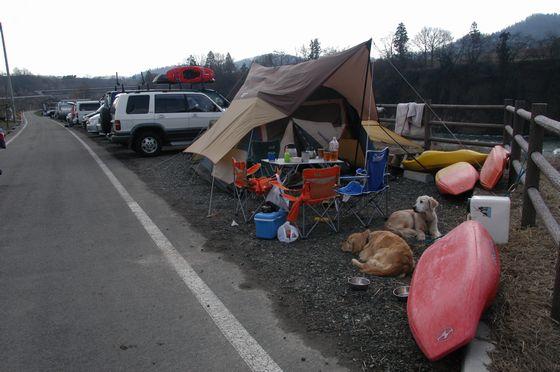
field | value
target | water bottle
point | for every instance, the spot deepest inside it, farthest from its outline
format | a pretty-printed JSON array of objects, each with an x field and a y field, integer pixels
[{"x": 333, "y": 148}]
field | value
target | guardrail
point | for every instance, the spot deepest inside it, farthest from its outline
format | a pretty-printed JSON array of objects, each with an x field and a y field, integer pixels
[
  {"x": 515, "y": 119},
  {"x": 428, "y": 121}
]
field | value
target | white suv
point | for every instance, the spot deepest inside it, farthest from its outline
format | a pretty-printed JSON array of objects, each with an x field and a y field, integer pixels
[
  {"x": 83, "y": 108},
  {"x": 149, "y": 120}
]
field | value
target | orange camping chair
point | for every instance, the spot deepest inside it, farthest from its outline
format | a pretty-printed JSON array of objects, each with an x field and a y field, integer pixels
[
  {"x": 246, "y": 185},
  {"x": 319, "y": 195}
]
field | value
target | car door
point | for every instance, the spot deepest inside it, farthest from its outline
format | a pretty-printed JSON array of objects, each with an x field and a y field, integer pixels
[
  {"x": 171, "y": 112},
  {"x": 204, "y": 111},
  {"x": 137, "y": 111}
]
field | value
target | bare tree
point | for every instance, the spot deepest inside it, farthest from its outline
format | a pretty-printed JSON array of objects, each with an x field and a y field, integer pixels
[
  {"x": 303, "y": 52},
  {"x": 429, "y": 40},
  {"x": 329, "y": 51},
  {"x": 281, "y": 56},
  {"x": 386, "y": 47}
]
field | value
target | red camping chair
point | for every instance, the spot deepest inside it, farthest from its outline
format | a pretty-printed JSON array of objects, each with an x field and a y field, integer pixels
[
  {"x": 245, "y": 185},
  {"x": 319, "y": 194}
]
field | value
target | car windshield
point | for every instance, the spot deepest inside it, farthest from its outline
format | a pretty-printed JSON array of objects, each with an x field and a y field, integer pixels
[
  {"x": 89, "y": 106},
  {"x": 218, "y": 99}
]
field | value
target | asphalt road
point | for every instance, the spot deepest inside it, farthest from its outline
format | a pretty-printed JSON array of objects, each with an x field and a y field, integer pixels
[{"x": 84, "y": 286}]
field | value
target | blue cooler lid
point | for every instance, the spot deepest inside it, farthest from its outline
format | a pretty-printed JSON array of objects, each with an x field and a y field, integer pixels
[{"x": 270, "y": 216}]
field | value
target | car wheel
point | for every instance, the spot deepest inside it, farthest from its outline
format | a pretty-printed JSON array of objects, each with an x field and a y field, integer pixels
[{"x": 148, "y": 144}]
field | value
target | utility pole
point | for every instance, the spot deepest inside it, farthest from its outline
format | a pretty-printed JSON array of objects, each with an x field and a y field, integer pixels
[{"x": 11, "y": 89}]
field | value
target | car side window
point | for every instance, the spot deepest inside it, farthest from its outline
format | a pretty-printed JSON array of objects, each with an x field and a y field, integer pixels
[
  {"x": 138, "y": 104},
  {"x": 200, "y": 103},
  {"x": 170, "y": 103}
]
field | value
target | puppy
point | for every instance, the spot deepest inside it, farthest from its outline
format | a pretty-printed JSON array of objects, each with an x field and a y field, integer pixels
[
  {"x": 382, "y": 253},
  {"x": 416, "y": 222}
]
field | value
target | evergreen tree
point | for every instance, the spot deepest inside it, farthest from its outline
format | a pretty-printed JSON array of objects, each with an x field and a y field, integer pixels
[
  {"x": 503, "y": 50},
  {"x": 474, "y": 44},
  {"x": 400, "y": 41},
  {"x": 210, "y": 60},
  {"x": 314, "y": 49},
  {"x": 229, "y": 66}
]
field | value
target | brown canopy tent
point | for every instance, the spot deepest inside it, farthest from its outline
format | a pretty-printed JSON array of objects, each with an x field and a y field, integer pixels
[{"x": 333, "y": 92}]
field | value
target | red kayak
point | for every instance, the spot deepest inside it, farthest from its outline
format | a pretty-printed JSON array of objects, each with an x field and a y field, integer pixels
[
  {"x": 190, "y": 74},
  {"x": 456, "y": 178},
  {"x": 493, "y": 167},
  {"x": 454, "y": 281}
]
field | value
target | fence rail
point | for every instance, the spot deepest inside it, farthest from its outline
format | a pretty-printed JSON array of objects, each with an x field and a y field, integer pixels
[{"x": 515, "y": 119}]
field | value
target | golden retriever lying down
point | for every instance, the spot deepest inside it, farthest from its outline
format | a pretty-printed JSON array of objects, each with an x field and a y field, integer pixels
[{"x": 382, "y": 253}]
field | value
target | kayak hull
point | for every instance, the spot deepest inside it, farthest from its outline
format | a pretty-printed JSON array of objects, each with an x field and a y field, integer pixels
[
  {"x": 456, "y": 178},
  {"x": 493, "y": 167},
  {"x": 190, "y": 75},
  {"x": 454, "y": 281},
  {"x": 434, "y": 160}
]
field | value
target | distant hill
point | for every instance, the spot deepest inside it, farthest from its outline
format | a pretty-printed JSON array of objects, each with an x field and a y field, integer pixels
[
  {"x": 537, "y": 26},
  {"x": 273, "y": 59}
]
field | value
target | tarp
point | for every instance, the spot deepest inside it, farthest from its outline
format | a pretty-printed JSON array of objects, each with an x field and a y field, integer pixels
[
  {"x": 273, "y": 93},
  {"x": 396, "y": 142}
]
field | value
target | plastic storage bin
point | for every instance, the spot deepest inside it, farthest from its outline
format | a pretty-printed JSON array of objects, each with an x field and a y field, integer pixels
[
  {"x": 267, "y": 224},
  {"x": 493, "y": 213}
]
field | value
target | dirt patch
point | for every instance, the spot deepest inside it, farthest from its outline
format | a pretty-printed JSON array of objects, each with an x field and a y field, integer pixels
[{"x": 306, "y": 280}]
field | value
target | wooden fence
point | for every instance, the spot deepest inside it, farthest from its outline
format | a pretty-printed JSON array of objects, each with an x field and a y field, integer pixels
[
  {"x": 429, "y": 121},
  {"x": 515, "y": 117}
]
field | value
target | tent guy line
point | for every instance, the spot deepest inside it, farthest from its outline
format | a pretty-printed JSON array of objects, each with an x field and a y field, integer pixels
[{"x": 256, "y": 358}]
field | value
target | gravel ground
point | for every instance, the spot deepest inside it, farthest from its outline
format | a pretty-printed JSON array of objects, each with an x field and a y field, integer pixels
[{"x": 306, "y": 280}]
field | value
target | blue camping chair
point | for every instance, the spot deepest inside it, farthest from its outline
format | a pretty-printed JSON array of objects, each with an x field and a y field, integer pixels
[{"x": 367, "y": 188}]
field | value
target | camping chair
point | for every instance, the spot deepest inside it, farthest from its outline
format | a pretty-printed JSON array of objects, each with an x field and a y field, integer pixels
[
  {"x": 369, "y": 186},
  {"x": 319, "y": 195},
  {"x": 260, "y": 150},
  {"x": 245, "y": 185}
]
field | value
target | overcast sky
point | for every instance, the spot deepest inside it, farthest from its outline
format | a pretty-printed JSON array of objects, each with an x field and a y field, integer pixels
[{"x": 100, "y": 37}]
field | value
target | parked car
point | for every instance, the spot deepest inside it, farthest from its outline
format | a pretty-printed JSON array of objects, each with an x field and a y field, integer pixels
[
  {"x": 92, "y": 124},
  {"x": 83, "y": 108},
  {"x": 147, "y": 121},
  {"x": 63, "y": 108}
]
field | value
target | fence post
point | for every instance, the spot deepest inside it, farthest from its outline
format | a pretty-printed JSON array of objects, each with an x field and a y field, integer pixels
[
  {"x": 426, "y": 118},
  {"x": 532, "y": 176},
  {"x": 555, "y": 312},
  {"x": 507, "y": 121},
  {"x": 515, "y": 148}
]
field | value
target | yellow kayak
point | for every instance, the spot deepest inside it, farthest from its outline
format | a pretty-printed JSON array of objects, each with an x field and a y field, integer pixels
[{"x": 433, "y": 160}]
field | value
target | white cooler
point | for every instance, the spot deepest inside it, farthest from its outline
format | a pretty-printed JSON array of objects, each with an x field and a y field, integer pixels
[{"x": 493, "y": 213}]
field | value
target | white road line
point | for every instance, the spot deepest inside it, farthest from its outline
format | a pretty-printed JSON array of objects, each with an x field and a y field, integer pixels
[
  {"x": 18, "y": 133},
  {"x": 248, "y": 348}
]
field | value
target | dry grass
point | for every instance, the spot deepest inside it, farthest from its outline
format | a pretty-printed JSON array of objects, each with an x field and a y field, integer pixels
[{"x": 527, "y": 338}]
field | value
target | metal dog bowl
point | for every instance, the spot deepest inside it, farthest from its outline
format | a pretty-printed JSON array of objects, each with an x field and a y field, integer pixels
[
  {"x": 401, "y": 292},
  {"x": 358, "y": 283}
]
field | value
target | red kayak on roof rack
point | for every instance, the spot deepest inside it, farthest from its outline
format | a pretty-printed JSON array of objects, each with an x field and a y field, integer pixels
[{"x": 190, "y": 75}]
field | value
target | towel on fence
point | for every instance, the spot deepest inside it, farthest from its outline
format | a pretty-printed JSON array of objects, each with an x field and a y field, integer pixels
[{"x": 408, "y": 114}]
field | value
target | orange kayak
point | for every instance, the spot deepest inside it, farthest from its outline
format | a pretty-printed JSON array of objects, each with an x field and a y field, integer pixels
[
  {"x": 493, "y": 167},
  {"x": 456, "y": 178},
  {"x": 456, "y": 278}
]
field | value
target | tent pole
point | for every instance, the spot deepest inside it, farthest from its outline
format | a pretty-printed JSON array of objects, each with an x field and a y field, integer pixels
[
  {"x": 250, "y": 144},
  {"x": 363, "y": 103},
  {"x": 211, "y": 196}
]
